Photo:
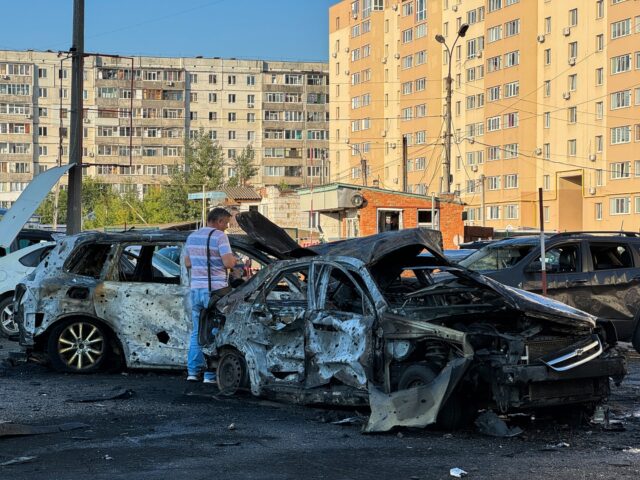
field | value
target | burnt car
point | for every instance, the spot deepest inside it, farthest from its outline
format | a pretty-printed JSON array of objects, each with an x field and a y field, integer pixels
[
  {"x": 363, "y": 322},
  {"x": 106, "y": 300},
  {"x": 598, "y": 272}
]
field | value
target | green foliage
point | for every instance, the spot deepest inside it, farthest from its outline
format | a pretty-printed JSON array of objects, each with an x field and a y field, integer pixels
[
  {"x": 244, "y": 167},
  {"x": 204, "y": 162}
]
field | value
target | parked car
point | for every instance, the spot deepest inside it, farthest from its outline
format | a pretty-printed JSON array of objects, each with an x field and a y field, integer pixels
[
  {"x": 13, "y": 268},
  {"x": 27, "y": 237},
  {"x": 361, "y": 322},
  {"x": 598, "y": 272},
  {"x": 103, "y": 299}
]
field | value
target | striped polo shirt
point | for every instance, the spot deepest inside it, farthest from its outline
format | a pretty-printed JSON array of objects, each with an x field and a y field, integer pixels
[{"x": 197, "y": 250}]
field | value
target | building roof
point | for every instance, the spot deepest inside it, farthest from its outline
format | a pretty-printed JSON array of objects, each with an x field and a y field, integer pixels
[
  {"x": 335, "y": 186},
  {"x": 241, "y": 193}
]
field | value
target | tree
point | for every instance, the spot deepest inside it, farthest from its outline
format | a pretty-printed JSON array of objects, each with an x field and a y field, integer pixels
[
  {"x": 204, "y": 161},
  {"x": 244, "y": 167}
]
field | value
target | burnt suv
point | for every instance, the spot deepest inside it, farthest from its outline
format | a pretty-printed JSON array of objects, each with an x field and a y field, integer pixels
[{"x": 598, "y": 272}]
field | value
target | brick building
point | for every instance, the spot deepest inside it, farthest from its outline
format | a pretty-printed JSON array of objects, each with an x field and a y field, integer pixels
[{"x": 342, "y": 211}]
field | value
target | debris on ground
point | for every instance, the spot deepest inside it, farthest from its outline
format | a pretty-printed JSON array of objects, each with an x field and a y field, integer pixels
[
  {"x": 18, "y": 429},
  {"x": 489, "y": 423},
  {"x": 231, "y": 427},
  {"x": 457, "y": 472},
  {"x": 17, "y": 461},
  {"x": 108, "y": 457},
  {"x": 350, "y": 421},
  {"x": 551, "y": 447},
  {"x": 227, "y": 444},
  {"x": 116, "y": 393}
]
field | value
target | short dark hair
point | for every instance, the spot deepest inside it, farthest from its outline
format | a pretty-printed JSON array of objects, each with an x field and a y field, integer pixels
[{"x": 216, "y": 214}]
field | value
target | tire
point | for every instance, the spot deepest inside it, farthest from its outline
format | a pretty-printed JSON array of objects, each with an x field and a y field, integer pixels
[
  {"x": 232, "y": 373},
  {"x": 78, "y": 345},
  {"x": 8, "y": 327},
  {"x": 455, "y": 413}
]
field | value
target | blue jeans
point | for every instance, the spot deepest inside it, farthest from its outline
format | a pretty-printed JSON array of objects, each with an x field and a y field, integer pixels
[{"x": 195, "y": 358}]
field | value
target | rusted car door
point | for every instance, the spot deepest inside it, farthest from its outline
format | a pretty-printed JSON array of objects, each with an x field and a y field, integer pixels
[
  {"x": 145, "y": 298},
  {"x": 338, "y": 334}
]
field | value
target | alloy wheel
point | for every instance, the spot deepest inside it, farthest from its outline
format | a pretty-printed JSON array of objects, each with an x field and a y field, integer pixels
[
  {"x": 81, "y": 345},
  {"x": 7, "y": 324}
]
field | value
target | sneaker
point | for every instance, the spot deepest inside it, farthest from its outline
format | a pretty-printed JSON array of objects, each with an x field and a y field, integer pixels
[
  {"x": 192, "y": 378},
  {"x": 210, "y": 380}
]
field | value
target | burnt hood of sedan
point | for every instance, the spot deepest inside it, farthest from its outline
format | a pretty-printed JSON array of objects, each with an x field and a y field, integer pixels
[{"x": 370, "y": 250}]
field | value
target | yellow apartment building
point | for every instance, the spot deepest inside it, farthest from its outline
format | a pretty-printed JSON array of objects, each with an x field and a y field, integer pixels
[{"x": 545, "y": 94}]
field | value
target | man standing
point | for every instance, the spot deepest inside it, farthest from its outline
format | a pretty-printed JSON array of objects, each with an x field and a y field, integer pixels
[{"x": 221, "y": 258}]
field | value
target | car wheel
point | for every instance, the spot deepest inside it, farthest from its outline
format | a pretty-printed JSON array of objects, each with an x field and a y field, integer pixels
[
  {"x": 8, "y": 327},
  {"x": 78, "y": 346},
  {"x": 232, "y": 373},
  {"x": 455, "y": 413}
]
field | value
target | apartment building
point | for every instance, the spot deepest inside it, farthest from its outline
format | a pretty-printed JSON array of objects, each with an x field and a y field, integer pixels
[
  {"x": 545, "y": 95},
  {"x": 171, "y": 99}
]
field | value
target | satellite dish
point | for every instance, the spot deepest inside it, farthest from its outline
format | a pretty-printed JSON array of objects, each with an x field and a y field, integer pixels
[{"x": 357, "y": 200}]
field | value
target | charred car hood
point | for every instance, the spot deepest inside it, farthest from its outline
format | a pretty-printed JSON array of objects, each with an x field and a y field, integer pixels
[
  {"x": 535, "y": 305},
  {"x": 369, "y": 250}
]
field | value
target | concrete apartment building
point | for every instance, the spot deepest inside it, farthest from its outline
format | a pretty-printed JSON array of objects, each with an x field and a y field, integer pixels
[
  {"x": 172, "y": 98},
  {"x": 545, "y": 95}
]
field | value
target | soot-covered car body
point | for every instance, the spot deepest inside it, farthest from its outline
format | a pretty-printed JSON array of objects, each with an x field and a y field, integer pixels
[{"x": 363, "y": 322}]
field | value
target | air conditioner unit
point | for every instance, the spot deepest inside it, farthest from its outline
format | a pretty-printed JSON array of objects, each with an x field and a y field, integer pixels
[
  {"x": 86, "y": 120},
  {"x": 474, "y": 168},
  {"x": 479, "y": 54},
  {"x": 592, "y": 190},
  {"x": 91, "y": 154},
  {"x": 347, "y": 141},
  {"x": 384, "y": 59},
  {"x": 395, "y": 180},
  {"x": 393, "y": 145},
  {"x": 383, "y": 133},
  {"x": 6, "y": 77},
  {"x": 346, "y": 50},
  {"x": 355, "y": 16},
  {"x": 541, "y": 38},
  {"x": 334, "y": 54},
  {"x": 538, "y": 151},
  {"x": 170, "y": 84},
  {"x": 566, "y": 31},
  {"x": 566, "y": 95},
  {"x": 251, "y": 105},
  {"x": 28, "y": 115},
  {"x": 592, "y": 157},
  {"x": 397, "y": 56},
  {"x": 346, "y": 72},
  {"x": 572, "y": 61},
  {"x": 395, "y": 7},
  {"x": 454, "y": 8}
]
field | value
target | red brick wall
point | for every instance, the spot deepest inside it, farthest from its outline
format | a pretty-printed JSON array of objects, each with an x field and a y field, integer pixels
[{"x": 450, "y": 213}]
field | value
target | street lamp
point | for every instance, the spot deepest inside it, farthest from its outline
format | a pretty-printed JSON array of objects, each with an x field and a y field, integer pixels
[{"x": 446, "y": 166}]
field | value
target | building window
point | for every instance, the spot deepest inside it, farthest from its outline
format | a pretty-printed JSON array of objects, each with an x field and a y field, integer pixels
[
  {"x": 389, "y": 220},
  {"x": 621, "y": 28},
  {"x": 572, "y": 147},
  {"x": 620, "y": 170},
  {"x": 620, "y": 64},
  {"x": 620, "y": 135},
  {"x": 620, "y": 205},
  {"x": 573, "y": 17},
  {"x": 598, "y": 212}
]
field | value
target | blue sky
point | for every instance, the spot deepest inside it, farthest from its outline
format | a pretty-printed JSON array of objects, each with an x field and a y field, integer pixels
[{"x": 254, "y": 29}]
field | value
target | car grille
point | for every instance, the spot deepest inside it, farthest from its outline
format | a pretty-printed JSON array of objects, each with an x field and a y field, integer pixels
[{"x": 540, "y": 346}]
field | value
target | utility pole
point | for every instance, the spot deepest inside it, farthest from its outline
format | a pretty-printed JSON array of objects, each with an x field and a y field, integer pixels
[
  {"x": 482, "y": 201},
  {"x": 446, "y": 164},
  {"x": 405, "y": 159},
  {"x": 74, "y": 200}
]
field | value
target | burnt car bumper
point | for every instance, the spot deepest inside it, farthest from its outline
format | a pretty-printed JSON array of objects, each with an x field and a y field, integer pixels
[{"x": 537, "y": 385}]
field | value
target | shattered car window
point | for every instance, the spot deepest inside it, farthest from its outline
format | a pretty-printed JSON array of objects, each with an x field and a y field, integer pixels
[
  {"x": 496, "y": 258},
  {"x": 342, "y": 294},
  {"x": 88, "y": 260},
  {"x": 288, "y": 285},
  {"x": 610, "y": 256},
  {"x": 144, "y": 263}
]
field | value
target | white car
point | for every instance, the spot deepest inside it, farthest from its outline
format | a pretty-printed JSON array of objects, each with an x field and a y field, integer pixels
[{"x": 13, "y": 268}]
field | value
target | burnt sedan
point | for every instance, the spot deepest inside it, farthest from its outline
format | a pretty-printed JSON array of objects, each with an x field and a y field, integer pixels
[{"x": 364, "y": 322}]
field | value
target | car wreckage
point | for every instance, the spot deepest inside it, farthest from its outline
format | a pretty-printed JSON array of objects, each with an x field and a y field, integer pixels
[{"x": 367, "y": 321}]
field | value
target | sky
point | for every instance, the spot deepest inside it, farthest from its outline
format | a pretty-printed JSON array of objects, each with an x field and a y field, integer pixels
[{"x": 246, "y": 29}]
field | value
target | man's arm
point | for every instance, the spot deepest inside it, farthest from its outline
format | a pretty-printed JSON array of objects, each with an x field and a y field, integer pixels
[
  {"x": 187, "y": 261},
  {"x": 228, "y": 260}
]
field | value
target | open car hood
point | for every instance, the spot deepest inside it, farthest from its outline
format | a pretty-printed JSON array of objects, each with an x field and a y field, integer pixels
[
  {"x": 371, "y": 250},
  {"x": 535, "y": 305}
]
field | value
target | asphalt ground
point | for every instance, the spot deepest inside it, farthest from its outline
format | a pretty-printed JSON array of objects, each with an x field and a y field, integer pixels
[{"x": 163, "y": 427}]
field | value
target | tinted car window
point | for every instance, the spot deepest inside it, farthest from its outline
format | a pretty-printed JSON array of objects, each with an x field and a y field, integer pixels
[
  {"x": 611, "y": 255},
  {"x": 560, "y": 259},
  {"x": 32, "y": 259},
  {"x": 494, "y": 257}
]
